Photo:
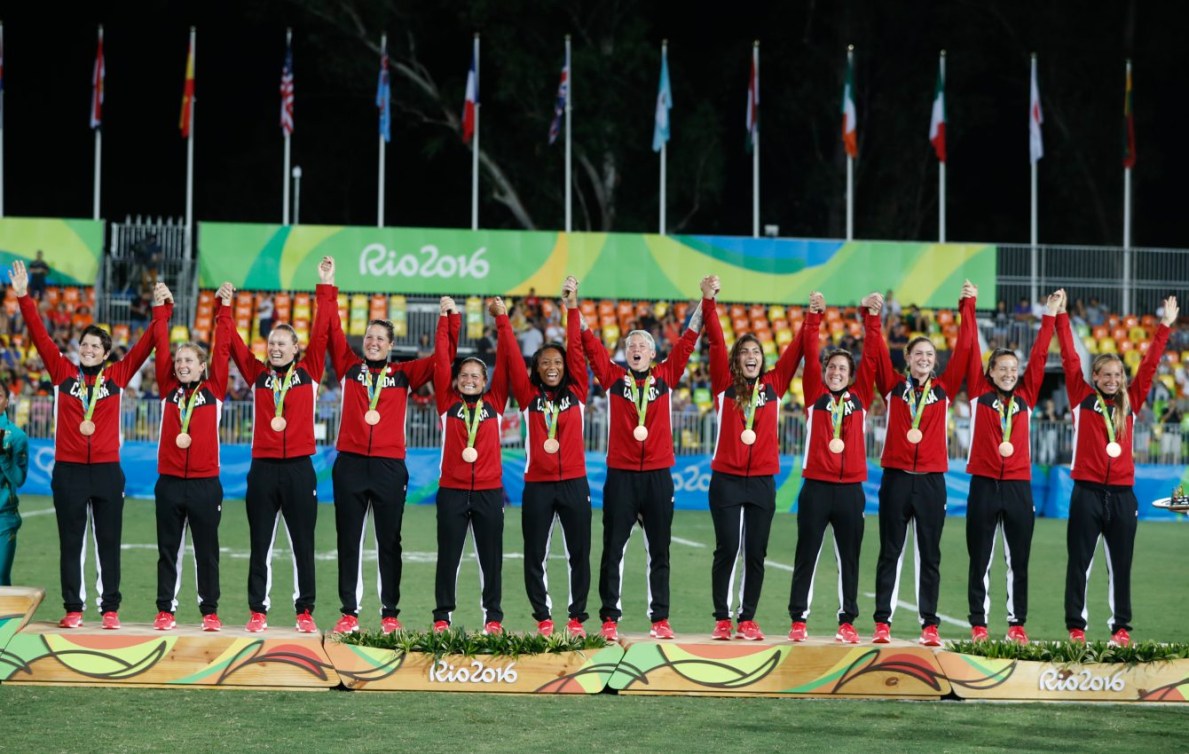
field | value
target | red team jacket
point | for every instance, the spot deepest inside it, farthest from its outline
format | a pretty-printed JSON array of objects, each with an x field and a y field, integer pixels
[
  {"x": 486, "y": 473},
  {"x": 986, "y": 428},
  {"x": 397, "y": 380},
  {"x": 819, "y": 463},
  {"x": 297, "y": 439},
  {"x": 201, "y": 459},
  {"x": 624, "y": 451},
  {"x": 731, "y": 456},
  {"x": 70, "y": 445},
  {"x": 1090, "y": 462},
  {"x": 930, "y": 455},
  {"x": 569, "y": 462}
]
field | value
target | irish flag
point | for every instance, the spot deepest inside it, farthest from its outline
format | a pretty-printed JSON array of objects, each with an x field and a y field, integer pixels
[
  {"x": 850, "y": 136},
  {"x": 937, "y": 122}
]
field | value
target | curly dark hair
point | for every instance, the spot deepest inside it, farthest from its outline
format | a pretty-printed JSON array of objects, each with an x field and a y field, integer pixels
[{"x": 741, "y": 395}]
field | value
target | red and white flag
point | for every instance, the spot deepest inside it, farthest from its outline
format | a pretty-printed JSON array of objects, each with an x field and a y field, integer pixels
[
  {"x": 468, "y": 108},
  {"x": 287, "y": 90},
  {"x": 753, "y": 105},
  {"x": 1036, "y": 147},
  {"x": 97, "y": 86},
  {"x": 937, "y": 122},
  {"x": 850, "y": 126}
]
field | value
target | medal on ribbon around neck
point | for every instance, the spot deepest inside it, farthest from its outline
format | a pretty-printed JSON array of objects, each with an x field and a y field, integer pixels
[
  {"x": 916, "y": 409},
  {"x": 748, "y": 435},
  {"x": 186, "y": 411},
  {"x": 640, "y": 398},
  {"x": 471, "y": 418},
  {"x": 837, "y": 411},
  {"x": 551, "y": 412},
  {"x": 279, "y": 392},
  {"x": 1113, "y": 448},
  {"x": 1006, "y": 449},
  {"x": 372, "y": 416},
  {"x": 89, "y": 400}
]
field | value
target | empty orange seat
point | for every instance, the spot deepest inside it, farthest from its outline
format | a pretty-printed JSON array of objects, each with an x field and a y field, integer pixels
[
  {"x": 737, "y": 311},
  {"x": 739, "y": 325}
]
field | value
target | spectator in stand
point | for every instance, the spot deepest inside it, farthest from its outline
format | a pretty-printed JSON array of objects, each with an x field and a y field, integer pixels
[
  {"x": 14, "y": 466},
  {"x": 897, "y": 342},
  {"x": 39, "y": 272},
  {"x": 530, "y": 340},
  {"x": 891, "y": 307},
  {"x": 1046, "y": 437},
  {"x": 265, "y": 311},
  {"x": 485, "y": 348},
  {"x": 1023, "y": 310},
  {"x": 1103, "y": 503},
  {"x": 1096, "y": 313}
]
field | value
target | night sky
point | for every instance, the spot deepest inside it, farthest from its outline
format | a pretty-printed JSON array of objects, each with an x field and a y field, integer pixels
[{"x": 49, "y": 146}]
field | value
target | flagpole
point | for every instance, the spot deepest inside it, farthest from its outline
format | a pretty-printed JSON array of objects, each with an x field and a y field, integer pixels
[
  {"x": 941, "y": 170},
  {"x": 475, "y": 146},
  {"x": 1035, "y": 265},
  {"x": 850, "y": 165},
  {"x": 755, "y": 149},
  {"x": 380, "y": 193},
  {"x": 190, "y": 152},
  {"x": 285, "y": 133},
  {"x": 569, "y": 145},
  {"x": 664, "y": 147},
  {"x": 98, "y": 127},
  {"x": 1127, "y": 194}
]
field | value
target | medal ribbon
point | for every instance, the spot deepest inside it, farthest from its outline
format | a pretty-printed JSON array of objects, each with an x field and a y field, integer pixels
[
  {"x": 551, "y": 411},
  {"x": 640, "y": 397},
  {"x": 749, "y": 411},
  {"x": 373, "y": 393},
  {"x": 88, "y": 397},
  {"x": 916, "y": 407},
  {"x": 472, "y": 421},
  {"x": 186, "y": 407},
  {"x": 837, "y": 409},
  {"x": 1005, "y": 417},
  {"x": 1106, "y": 417},
  {"x": 278, "y": 394}
]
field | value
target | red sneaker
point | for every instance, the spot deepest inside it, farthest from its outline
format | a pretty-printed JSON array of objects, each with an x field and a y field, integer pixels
[
  {"x": 1077, "y": 636},
  {"x": 610, "y": 630},
  {"x": 493, "y": 627},
  {"x": 1120, "y": 638},
  {"x": 846, "y": 634},
  {"x": 111, "y": 621},
  {"x": 71, "y": 620},
  {"x": 883, "y": 634},
  {"x": 929, "y": 637},
  {"x": 1017, "y": 634},
  {"x": 348, "y": 624},
  {"x": 661, "y": 629},
  {"x": 545, "y": 627},
  {"x": 441, "y": 626},
  {"x": 722, "y": 631},
  {"x": 574, "y": 628},
  {"x": 257, "y": 622},
  {"x": 389, "y": 624},
  {"x": 211, "y": 622},
  {"x": 164, "y": 621},
  {"x": 979, "y": 633},
  {"x": 305, "y": 623},
  {"x": 750, "y": 630},
  {"x": 799, "y": 631}
]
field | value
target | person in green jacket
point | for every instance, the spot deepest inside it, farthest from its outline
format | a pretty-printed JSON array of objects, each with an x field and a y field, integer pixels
[{"x": 14, "y": 465}]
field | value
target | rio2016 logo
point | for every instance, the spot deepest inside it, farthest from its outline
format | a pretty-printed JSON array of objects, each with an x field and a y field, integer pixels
[
  {"x": 443, "y": 672},
  {"x": 1064, "y": 680},
  {"x": 377, "y": 260}
]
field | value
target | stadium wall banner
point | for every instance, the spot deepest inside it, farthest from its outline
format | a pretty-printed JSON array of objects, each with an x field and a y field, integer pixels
[
  {"x": 72, "y": 248},
  {"x": 610, "y": 265},
  {"x": 691, "y": 479}
]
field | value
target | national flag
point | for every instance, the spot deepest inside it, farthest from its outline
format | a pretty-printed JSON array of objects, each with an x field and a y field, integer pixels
[
  {"x": 753, "y": 106},
  {"x": 1128, "y": 124},
  {"x": 850, "y": 136},
  {"x": 97, "y": 86},
  {"x": 1, "y": 70},
  {"x": 468, "y": 107},
  {"x": 664, "y": 103},
  {"x": 384, "y": 98},
  {"x": 186, "y": 122},
  {"x": 559, "y": 107},
  {"x": 287, "y": 90},
  {"x": 937, "y": 122},
  {"x": 1036, "y": 147}
]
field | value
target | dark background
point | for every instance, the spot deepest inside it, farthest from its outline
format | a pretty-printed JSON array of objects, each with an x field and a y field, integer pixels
[{"x": 49, "y": 53}]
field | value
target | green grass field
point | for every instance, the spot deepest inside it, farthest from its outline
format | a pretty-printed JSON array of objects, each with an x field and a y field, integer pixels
[{"x": 52, "y": 719}]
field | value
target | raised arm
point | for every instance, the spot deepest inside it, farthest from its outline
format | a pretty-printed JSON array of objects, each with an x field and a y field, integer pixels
[
  {"x": 673, "y": 367},
  {"x": 600, "y": 361},
  {"x": 864, "y": 385},
  {"x": 58, "y": 365},
  {"x": 443, "y": 358},
  {"x": 121, "y": 372},
  {"x": 508, "y": 370},
  {"x": 327, "y": 295},
  {"x": 341, "y": 355},
  {"x": 575, "y": 355},
  {"x": 808, "y": 341},
  {"x": 1138, "y": 392},
  {"x": 956, "y": 368},
  {"x": 885, "y": 373},
  {"x": 1035, "y": 371},
  {"x": 166, "y": 380},
  {"x": 1071, "y": 363},
  {"x": 720, "y": 366}
]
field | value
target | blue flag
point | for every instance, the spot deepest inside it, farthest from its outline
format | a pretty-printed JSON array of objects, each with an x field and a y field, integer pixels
[
  {"x": 559, "y": 108},
  {"x": 384, "y": 99},
  {"x": 664, "y": 102}
]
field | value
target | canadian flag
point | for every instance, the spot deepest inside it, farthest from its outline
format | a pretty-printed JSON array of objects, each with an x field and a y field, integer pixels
[{"x": 937, "y": 122}]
